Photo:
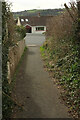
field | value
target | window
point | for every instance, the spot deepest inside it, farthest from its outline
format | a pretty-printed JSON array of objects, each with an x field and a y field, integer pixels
[
  {"x": 26, "y": 20},
  {"x": 39, "y": 28},
  {"x": 22, "y": 20}
]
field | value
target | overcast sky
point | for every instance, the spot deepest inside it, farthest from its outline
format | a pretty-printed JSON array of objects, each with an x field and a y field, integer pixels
[{"x": 20, "y": 5}]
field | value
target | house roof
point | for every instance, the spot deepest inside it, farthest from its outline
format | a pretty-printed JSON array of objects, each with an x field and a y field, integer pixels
[{"x": 35, "y": 20}]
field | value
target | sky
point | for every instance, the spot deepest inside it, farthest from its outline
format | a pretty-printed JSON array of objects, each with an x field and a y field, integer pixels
[{"x": 21, "y": 5}]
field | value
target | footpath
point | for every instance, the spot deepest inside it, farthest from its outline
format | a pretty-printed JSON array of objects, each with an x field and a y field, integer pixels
[{"x": 35, "y": 90}]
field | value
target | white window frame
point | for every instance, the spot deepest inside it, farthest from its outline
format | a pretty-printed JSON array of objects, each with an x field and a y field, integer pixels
[{"x": 39, "y": 28}]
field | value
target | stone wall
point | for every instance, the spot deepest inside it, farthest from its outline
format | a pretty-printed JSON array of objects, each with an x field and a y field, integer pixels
[{"x": 15, "y": 54}]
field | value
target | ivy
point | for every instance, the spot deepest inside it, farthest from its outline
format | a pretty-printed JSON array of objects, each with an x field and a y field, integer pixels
[{"x": 64, "y": 64}]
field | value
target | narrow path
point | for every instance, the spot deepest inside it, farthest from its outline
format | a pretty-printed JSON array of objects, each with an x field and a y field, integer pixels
[{"x": 36, "y": 91}]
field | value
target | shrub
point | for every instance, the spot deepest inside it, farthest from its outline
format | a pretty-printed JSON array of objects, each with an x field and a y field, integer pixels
[
  {"x": 63, "y": 51},
  {"x": 21, "y": 30}
]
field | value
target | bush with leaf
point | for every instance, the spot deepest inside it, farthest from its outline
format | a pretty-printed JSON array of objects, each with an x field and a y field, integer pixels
[
  {"x": 21, "y": 30},
  {"x": 62, "y": 54}
]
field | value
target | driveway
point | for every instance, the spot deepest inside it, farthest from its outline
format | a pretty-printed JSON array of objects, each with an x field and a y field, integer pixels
[
  {"x": 34, "y": 89},
  {"x": 34, "y": 39}
]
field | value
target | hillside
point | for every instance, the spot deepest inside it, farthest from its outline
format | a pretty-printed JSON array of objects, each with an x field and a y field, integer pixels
[{"x": 34, "y": 12}]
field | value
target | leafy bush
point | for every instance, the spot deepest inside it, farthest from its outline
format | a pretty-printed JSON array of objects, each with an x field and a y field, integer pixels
[
  {"x": 21, "y": 30},
  {"x": 63, "y": 52}
]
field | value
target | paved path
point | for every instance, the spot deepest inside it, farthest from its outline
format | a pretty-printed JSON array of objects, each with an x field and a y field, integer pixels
[
  {"x": 34, "y": 39},
  {"x": 35, "y": 90}
]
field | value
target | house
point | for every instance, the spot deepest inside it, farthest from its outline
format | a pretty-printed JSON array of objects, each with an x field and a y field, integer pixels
[{"x": 34, "y": 24}]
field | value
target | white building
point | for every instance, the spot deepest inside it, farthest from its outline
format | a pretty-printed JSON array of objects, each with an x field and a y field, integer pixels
[{"x": 34, "y": 24}]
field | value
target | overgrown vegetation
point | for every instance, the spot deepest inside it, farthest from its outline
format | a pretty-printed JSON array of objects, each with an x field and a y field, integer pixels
[
  {"x": 21, "y": 30},
  {"x": 5, "y": 49},
  {"x": 61, "y": 51},
  {"x": 9, "y": 38}
]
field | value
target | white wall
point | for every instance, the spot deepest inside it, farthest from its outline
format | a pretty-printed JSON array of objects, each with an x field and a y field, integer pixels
[{"x": 34, "y": 29}]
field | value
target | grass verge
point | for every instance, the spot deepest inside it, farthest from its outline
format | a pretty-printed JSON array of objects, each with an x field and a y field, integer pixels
[{"x": 64, "y": 68}]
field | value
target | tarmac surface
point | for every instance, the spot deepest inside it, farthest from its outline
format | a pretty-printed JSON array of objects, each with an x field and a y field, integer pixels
[
  {"x": 34, "y": 89},
  {"x": 34, "y": 39}
]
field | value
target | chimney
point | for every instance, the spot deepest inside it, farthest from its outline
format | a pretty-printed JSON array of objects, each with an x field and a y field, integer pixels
[{"x": 38, "y": 14}]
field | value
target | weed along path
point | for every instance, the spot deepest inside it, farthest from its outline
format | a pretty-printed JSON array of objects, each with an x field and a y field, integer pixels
[{"x": 34, "y": 89}]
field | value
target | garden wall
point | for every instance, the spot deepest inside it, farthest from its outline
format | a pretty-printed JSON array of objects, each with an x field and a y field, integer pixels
[{"x": 15, "y": 54}]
